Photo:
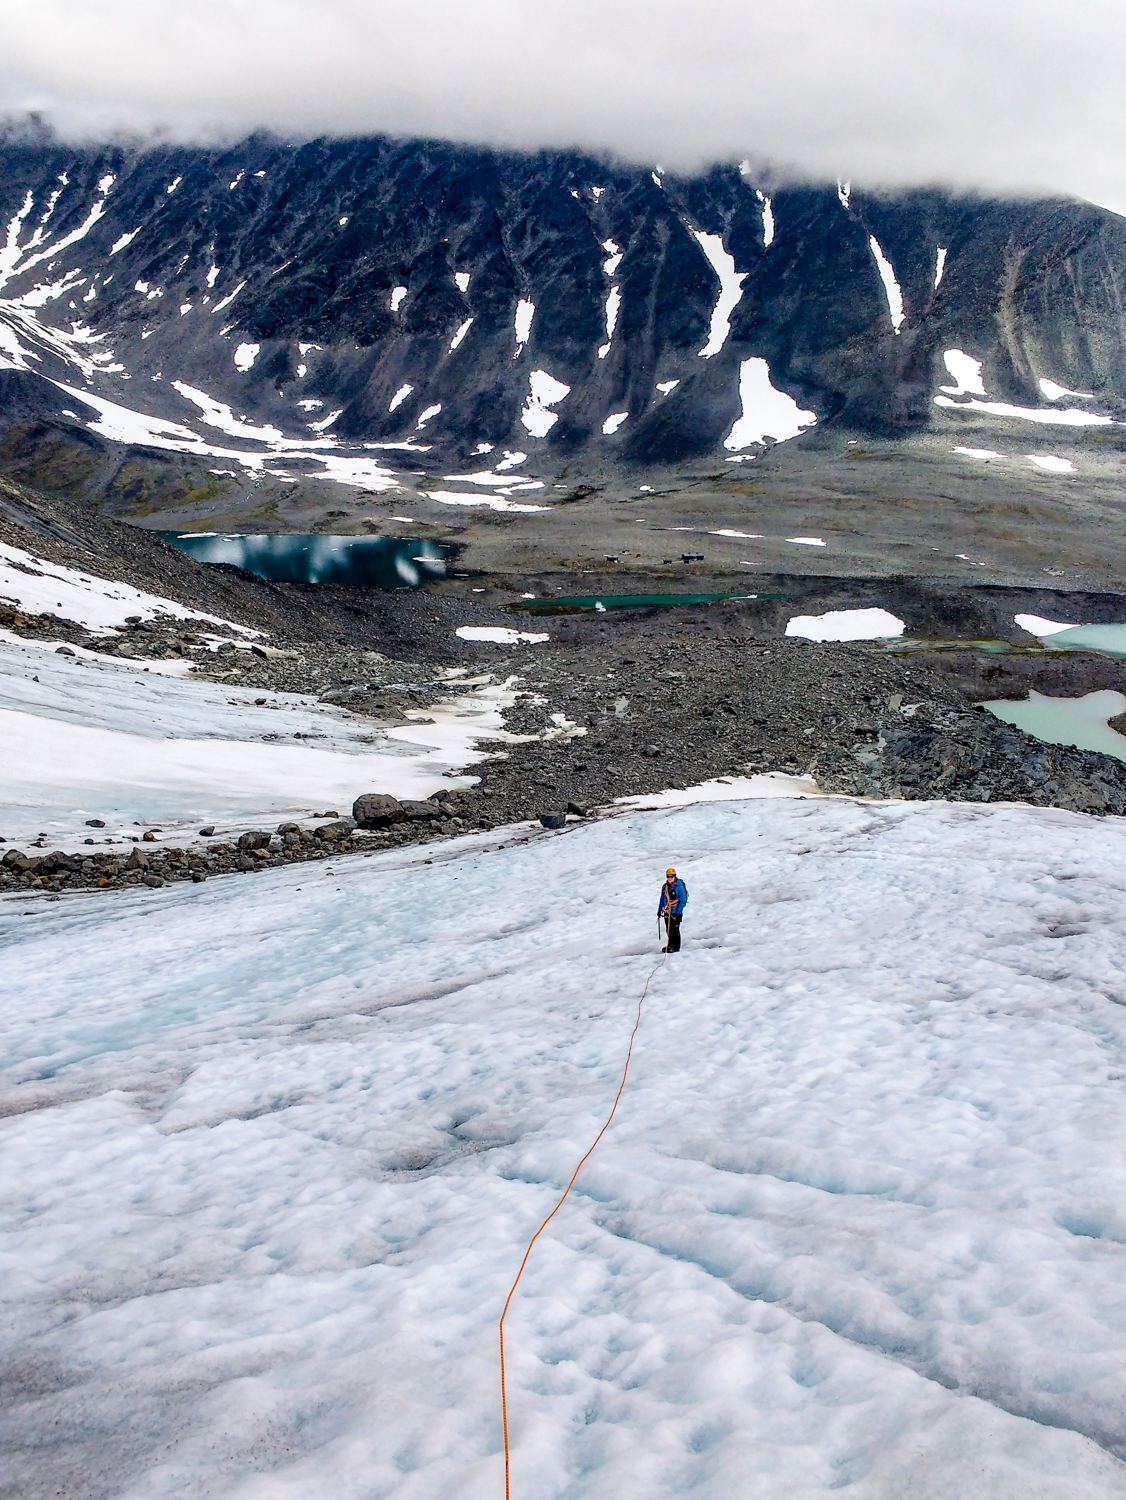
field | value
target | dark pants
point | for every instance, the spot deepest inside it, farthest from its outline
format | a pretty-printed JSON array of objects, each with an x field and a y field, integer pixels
[{"x": 672, "y": 924}]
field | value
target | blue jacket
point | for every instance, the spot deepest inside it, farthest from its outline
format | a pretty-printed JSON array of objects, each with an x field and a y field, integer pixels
[{"x": 676, "y": 905}]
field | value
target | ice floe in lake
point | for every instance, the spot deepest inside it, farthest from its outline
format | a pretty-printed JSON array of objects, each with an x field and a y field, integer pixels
[
  {"x": 500, "y": 635},
  {"x": 245, "y": 355},
  {"x": 544, "y": 392},
  {"x": 1052, "y": 463},
  {"x": 857, "y": 1224},
  {"x": 846, "y": 625},
  {"x": 766, "y": 411},
  {"x": 730, "y": 290},
  {"x": 892, "y": 289}
]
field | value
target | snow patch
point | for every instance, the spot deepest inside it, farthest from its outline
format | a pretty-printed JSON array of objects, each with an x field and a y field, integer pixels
[
  {"x": 665, "y": 386},
  {"x": 892, "y": 289},
  {"x": 400, "y": 396},
  {"x": 463, "y": 329},
  {"x": 212, "y": 276},
  {"x": 522, "y": 323},
  {"x": 428, "y": 415},
  {"x": 228, "y": 299},
  {"x": 500, "y": 635},
  {"x": 1051, "y": 463},
  {"x": 983, "y": 453},
  {"x": 245, "y": 355},
  {"x": 766, "y": 411},
  {"x": 767, "y": 219},
  {"x": 512, "y": 459},
  {"x": 806, "y": 541},
  {"x": 1070, "y": 417},
  {"x": 966, "y": 372},
  {"x": 398, "y": 294},
  {"x": 544, "y": 392},
  {"x": 488, "y": 502},
  {"x": 1056, "y": 392},
  {"x": 730, "y": 290},
  {"x": 41, "y": 587},
  {"x": 844, "y": 192},
  {"x": 462, "y": 279},
  {"x": 845, "y": 625},
  {"x": 125, "y": 239},
  {"x": 613, "y": 422},
  {"x": 939, "y": 265}
]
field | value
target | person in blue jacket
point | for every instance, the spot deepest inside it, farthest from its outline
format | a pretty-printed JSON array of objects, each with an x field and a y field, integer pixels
[{"x": 674, "y": 898}]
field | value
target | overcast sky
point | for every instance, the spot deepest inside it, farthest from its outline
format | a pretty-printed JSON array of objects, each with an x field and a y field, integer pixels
[{"x": 995, "y": 94}]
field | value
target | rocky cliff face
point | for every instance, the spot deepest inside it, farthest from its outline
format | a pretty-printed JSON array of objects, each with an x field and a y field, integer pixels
[{"x": 286, "y": 305}]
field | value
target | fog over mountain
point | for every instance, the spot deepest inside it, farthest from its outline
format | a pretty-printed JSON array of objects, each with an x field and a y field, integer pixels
[{"x": 1002, "y": 98}]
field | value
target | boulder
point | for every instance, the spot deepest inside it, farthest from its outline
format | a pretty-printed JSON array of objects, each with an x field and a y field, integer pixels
[
  {"x": 95, "y": 823},
  {"x": 52, "y": 863},
  {"x": 208, "y": 832},
  {"x": 332, "y": 833},
  {"x": 553, "y": 819},
  {"x": 576, "y": 809},
  {"x": 17, "y": 862},
  {"x": 257, "y": 839},
  {"x": 377, "y": 810},
  {"x": 418, "y": 812},
  {"x": 138, "y": 860}
]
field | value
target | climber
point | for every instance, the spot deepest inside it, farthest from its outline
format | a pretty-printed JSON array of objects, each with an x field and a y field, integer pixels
[{"x": 674, "y": 898}]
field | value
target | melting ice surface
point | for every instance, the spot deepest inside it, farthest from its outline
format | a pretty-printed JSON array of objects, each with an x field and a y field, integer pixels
[
  {"x": 857, "y": 1225},
  {"x": 846, "y": 625},
  {"x": 767, "y": 412},
  {"x": 1067, "y": 721}
]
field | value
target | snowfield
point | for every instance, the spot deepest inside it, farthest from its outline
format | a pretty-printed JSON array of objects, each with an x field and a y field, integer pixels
[{"x": 274, "y": 1147}]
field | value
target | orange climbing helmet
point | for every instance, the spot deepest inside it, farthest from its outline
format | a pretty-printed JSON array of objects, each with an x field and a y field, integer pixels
[{"x": 670, "y": 873}]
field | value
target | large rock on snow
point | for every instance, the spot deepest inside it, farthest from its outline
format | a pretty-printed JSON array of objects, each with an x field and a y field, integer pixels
[
  {"x": 333, "y": 833},
  {"x": 378, "y": 810},
  {"x": 420, "y": 812}
]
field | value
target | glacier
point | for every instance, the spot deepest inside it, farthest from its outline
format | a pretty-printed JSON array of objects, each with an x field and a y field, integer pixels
[{"x": 274, "y": 1147}]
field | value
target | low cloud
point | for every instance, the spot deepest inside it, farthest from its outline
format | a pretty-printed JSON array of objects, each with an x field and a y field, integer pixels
[{"x": 999, "y": 96}]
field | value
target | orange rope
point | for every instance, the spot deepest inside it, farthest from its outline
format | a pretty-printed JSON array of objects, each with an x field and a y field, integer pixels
[{"x": 551, "y": 1215}]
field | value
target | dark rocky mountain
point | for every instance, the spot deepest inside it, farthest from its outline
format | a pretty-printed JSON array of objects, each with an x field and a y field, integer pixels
[{"x": 273, "y": 308}]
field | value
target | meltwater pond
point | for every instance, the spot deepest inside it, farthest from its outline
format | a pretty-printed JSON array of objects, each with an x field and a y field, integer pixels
[
  {"x": 380, "y": 562},
  {"x": 1081, "y": 722}
]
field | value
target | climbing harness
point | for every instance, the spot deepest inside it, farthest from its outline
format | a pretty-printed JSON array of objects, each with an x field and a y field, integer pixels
[{"x": 555, "y": 1210}]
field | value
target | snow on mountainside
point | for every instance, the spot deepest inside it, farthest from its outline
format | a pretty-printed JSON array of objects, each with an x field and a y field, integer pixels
[
  {"x": 336, "y": 309},
  {"x": 273, "y": 1154}
]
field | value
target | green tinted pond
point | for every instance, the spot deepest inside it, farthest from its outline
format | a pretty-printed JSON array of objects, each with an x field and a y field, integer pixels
[{"x": 626, "y": 601}]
